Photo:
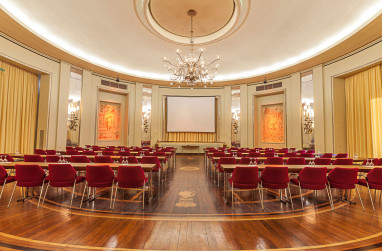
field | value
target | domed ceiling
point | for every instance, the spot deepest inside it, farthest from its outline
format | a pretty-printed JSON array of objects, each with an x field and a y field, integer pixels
[{"x": 252, "y": 37}]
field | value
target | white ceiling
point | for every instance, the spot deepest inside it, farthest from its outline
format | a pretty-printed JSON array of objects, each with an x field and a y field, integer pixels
[{"x": 276, "y": 34}]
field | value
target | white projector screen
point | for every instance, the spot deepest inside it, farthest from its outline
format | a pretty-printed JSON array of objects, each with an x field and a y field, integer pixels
[{"x": 190, "y": 114}]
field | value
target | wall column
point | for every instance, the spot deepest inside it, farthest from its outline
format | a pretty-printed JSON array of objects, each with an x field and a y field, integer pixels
[
  {"x": 155, "y": 115},
  {"x": 138, "y": 114},
  {"x": 319, "y": 116},
  {"x": 243, "y": 115},
  {"x": 295, "y": 112},
  {"x": 86, "y": 110},
  {"x": 63, "y": 101}
]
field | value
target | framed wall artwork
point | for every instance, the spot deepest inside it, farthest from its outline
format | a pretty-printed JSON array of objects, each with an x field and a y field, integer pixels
[
  {"x": 109, "y": 121},
  {"x": 272, "y": 123}
]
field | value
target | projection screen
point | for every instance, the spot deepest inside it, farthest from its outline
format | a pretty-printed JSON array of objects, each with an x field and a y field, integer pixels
[{"x": 190, "y": 114}]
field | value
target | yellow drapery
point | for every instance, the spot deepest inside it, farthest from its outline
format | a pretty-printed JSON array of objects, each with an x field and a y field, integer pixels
[
  {"x": 191, "y": 137},
  {"x": 18, "y": 108},
  {"x": 364, "y": 113}
]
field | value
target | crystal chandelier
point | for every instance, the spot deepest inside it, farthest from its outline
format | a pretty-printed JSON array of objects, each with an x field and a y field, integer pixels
[{"x": 192, "y": 69}]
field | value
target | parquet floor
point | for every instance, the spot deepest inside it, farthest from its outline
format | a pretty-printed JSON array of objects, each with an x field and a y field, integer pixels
[{"x": 188, "y": 213}]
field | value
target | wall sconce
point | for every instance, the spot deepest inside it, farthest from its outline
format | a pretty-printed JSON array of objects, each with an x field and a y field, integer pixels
[
  {"x": 73, "y": 109},
  {"x": 308, "y": 113},
  {"x": 235, "y": 119},
  {"x": 146, "y": 117}
]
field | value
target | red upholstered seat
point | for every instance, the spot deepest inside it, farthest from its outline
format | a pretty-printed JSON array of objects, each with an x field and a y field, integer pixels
[
  {"x": 342, "y": 155},
  {"x": 29, "y": 176},
  {"x": 132, "y": 160},
  {"x": 124, "y": 153},
  {"x": 52, "y": 158},
  {"x": 254, "y": 154},
  {"x": 4, "y": 179},
  {"x": 274, "y": 161},
  {"x": 8, "y": 157},
  {"x": 98, "y": 176},
  {"x": 301, "y": 151},
  {"x": 79, "y": 159},
  {"x": 322, "y": 161},
  {"x": 39, "y": 151},
  {"x": 51, "y": 152},
  {"x": 327, "y": 155},
  {"x": 103, "y": 159},
  {"x": 306, "y": 155},
  {"x": 375, "y": 161},
  {"x": 151, "y": 160},
  {"x": 245, "y": 177},
  {"x": 310, "y": 151},
  {"x": 290, "y": 155},
  {"x": 63, "y": 175},
  {"x": 108, "y": 153},
  {"x": 78, "y": 148},
  {"x": 282, "y": 151},
  {"x": 295, "y": 161},
  {"x": 96, "y": 148},
  {"x": 70, "y": 148},
  {"x": 373, "y": 180},
  {"x": 87, "y": 152},
  {"x": 246, "y": 160},
  {"x": 269, "y": 154},
  {"x": 343, "y": 162},
  {"x": 131, "y": 177},
  {"x": 72, "y": 152},
  {"x": 225, "y": 160},
  {"x": 33, "y": 158}
]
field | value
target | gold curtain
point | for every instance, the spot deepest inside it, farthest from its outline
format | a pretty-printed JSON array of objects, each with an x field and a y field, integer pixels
[
  {"x": 18, "y": 108},
  {"x": 191, "y": 137},
  {"x": 364, "y": 113}
]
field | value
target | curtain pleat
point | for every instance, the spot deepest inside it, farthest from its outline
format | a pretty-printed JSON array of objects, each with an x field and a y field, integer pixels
[
  {"x": 191, "y": 137},
  {"x": 18, "y": 109},
  {"x": 364, "y": 113}
]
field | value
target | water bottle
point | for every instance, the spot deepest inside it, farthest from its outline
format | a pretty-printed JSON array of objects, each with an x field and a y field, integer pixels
[{"x": 251, "y": 161}]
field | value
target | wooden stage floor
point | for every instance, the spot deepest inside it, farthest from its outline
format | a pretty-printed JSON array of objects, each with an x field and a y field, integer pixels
[{"x": 188, "y": 213}]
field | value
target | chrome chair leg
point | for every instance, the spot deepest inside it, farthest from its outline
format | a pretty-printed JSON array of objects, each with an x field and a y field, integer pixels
[
  {"x": 143, "y": 200},
  {"x": 46, "y": 191},
  {"x": 290, "y": 196},
  {"x": 302, "y": 202},
  {"x": 360, "y": 199},
  {"x": 74, "y": 188},
  {"x": 42, "y": 188},
  {"x": 111, "y": 194},
  {"x": 14, "y": 188},
  {"x": 330, "y": 197},
  {"x": 371, "y": 199},
  {"x": 232, "y": 195},
  {"x": 83, "y": 194},
  {"x": 2, "y": 189},
  {"x": 262, "y": 196},
  {"x": 115, "y": 194}
]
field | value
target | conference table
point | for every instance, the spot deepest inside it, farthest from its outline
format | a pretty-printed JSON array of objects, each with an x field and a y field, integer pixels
[
  {"x": 80, "y": 167},
  {"x": 229, "y": 168}
]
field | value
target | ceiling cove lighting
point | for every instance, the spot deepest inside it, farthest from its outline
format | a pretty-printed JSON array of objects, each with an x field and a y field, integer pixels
[
  {"x": 192, "y": 69},
  {"x": 12, "y": 9}
]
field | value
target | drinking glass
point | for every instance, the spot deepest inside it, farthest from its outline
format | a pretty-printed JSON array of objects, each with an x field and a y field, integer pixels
[{"x": 355, "y": 155}]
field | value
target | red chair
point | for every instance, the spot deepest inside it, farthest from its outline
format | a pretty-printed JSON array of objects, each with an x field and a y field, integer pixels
[
  {"x": 310, "y": 151},
  {"x": 131, "y": 177},
  {"x": 62, "y": 175},
  {"x": 132, "y": 160},
  {"x": 379, "y": 162},
  {"x": 327, "y": 155},
  {"x": 306, "y": 155},
  {"x": 312, "y": 178},
  {"x": 51, "y": 152},
  {"x": 103, "y": 159},
  {"x": 72, "y": 152},
  {"x": 99, "y": 176},
  {"x": 52, "y": 158},
  {"x": 275, "y": 178},
  {"x": 110, "y": 148},
  {"x": 8, "y": 157},
  {"x": 341, "y": 155},
  {"x": 96, "y": 148},
  {"x": 70, "y": 148},
  {"x": 79, "y": 148},
  {"x": 322, "y": 161},
  {"x": 79, "y": 159},
  {"x": 222, "y": 161},
  {"x": 39, "y": 152},
  {"x": 269, "y": 154},
  {"x": 295, "y": 161},
  {"x": 124, "y": 153},
  {"x": 274, "y": 161},
  {"x": 373, "y": 180},
  {"x": 282, "y": 151},
  {"x": 254, "y": 154},
  {"x": 301, "y": 151},
  {"x": 4, "y": 179},
  {"x": 375, "y": 161},
  {"x": 153, "y": 160},
  {"x": 344, "y": 178},
  {"x": 29, "y": 176},
  {"x": 343, "y": 162},
  {"x": 108, "y": 153},
  {"x": 87, "y": 152},
  {"x": 290, "y": 155},
  {"x": 147, "y": 153},
  {"x": 245, "y": 160},
  {"x": 33, "y": 158},
  {"x": 245, "y": 178}
]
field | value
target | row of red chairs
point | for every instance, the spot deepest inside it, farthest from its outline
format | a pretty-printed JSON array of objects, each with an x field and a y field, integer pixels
[
  {"x": 105, "y": 152},
  {"x": 64, "y": 175},
  {"x": 272, "y": 154}
]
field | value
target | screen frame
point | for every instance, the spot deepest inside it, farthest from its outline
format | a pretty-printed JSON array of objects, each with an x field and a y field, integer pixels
[{"x": 184, "y": 96}]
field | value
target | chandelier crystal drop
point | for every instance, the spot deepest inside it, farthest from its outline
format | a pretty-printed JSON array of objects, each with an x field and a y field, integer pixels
[{"x": 191, "y": 69}]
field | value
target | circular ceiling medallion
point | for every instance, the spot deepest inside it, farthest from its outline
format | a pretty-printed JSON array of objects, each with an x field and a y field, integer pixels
[{"x": 215, "y": 20}]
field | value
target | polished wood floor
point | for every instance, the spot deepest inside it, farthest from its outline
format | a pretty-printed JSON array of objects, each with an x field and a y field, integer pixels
[{"x": 188, "y": 213}]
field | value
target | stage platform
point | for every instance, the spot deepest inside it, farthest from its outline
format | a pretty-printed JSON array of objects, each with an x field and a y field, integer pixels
[{"x": 190, "y": 147}]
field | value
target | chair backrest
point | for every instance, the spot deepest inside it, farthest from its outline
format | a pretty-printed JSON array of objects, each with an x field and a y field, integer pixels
[
  {"x": 343, "y": 162},
  {"x": 70, "y": 148},
  {"x": 3, "y": 175},
  {"x": 79, "y": 159},
  {"x": 52, "y": 158},
  {"x": 342, "y": 175},
  {"x": 72, "y": 152},
  {"x": 124, "y": 153},
  {"x": 219, "y": 154},
  {"x": 274, "y": 161},
  {"x": 39, "y": 151},
  {"x": 282, "y": 151},
  {"x": 301, "y": 151},
  {"x": 147, "y": 153},
  {"x": 327, "y": 155},
  {"x": 227, "y": 160},
  {"x": 379, "y": 162},
  {"x": 313, "y": 175},
  {"x": 375, "y": 162},
  {"x": 33, "y": 158},
  {"x": 245, "y": 160},
  {"x": 87, "y": 152},
  {"x": 295, "y": 161},
  {"x": 132, "y": 160},
  {"x": 51, "y": 152},
  {"x": 8, "y": 157},
  {"x": 275, "y": 175},
  {"x": 159, "y": 154},
  {"x": 130, "y": 176},
  {"x": 61, "y": 173},
  {"x": 375, "y": 176},
  {"x": 108, "y": 153},
  {"x": 310, "y": 151},
  {"x": 103, "y": 159},
  {"x": 254, "y": 154},
  {"x": 248, "y": 175},
  {"x": 306, "y": 155},
  {"x": 151, "y": 160},
  {"x": 290, "y": 155},
  {"x": 322, "y": 161},
  {"x": 99, "y": 174},
  {"x": 341, "y": 155},
  {"x": 96, "y": 148},
  {"x": 110, "y": 148},
  {"x": 25, "y": 173}
]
